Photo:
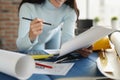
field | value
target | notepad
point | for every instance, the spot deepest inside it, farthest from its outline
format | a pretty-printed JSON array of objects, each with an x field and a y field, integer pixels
[{"x": 56, "y": 68}]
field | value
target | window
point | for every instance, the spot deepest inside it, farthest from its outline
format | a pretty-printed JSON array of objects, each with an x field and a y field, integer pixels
[{"x": 104, "y": 9}]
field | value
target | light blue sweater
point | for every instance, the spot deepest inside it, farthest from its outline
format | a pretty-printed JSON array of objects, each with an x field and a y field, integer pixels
[{"x": 48, "y": 13}]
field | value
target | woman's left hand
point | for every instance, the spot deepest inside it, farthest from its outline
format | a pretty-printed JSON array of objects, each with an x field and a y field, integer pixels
[{"x": 85, "y": 52}]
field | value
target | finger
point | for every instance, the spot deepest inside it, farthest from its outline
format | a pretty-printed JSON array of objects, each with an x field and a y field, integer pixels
[
  {"x": 37, "y": 26},
  {"x": 81, "y": 52},
  {"x": 85, "y": 55},
  {"x": 37, "y": 32},
  {"x": 84, "y": 52},
  {"x": 36, "y": 20},
  {"x": 87, "y": 50},
  {"x": 91, "y": 47}
]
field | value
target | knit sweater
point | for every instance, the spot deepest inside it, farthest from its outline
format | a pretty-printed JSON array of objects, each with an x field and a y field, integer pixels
[{"x": 49, "y": 13}]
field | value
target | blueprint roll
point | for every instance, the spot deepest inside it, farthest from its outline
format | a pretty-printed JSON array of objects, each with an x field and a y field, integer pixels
[
  {"x": 115, "y": 39},
  {"x": 17, "y": 65}
]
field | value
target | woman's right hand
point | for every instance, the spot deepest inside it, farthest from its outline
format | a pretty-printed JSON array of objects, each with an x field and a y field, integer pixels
[{"x": 36, "y": 28}]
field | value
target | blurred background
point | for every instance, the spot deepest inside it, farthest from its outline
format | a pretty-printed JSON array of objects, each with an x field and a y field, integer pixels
[
  {"x": 8, "y": 24},
  {"x": 100, "y": 10}
]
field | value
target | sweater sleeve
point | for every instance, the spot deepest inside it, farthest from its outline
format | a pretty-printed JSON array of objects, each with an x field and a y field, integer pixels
[
  {"x": 23, "y": 42},
  {"x": 68, "y": 28}
]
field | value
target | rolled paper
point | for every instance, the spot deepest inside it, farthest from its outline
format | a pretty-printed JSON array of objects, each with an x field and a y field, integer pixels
[
  {"x": 17, "y": 65},
  {"x": 115, "y": 39}
]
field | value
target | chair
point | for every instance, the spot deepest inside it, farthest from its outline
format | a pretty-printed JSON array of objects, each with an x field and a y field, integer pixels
[{"x": 83, "y": 25}]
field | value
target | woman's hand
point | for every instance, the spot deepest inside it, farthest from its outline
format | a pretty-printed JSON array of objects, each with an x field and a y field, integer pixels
[
  {"x": 36, "y": 28},
  {"x": 85, "y": 52}
]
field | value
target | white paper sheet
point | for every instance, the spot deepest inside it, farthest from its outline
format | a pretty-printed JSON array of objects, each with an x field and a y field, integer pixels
[
  {"x": 58, "y": 69},
  {"x": 115, "y": 38},
  {"x": 17, "y": 65},
  {"x": 85, "y": 39},
  {"x": 53, "y": 51}
]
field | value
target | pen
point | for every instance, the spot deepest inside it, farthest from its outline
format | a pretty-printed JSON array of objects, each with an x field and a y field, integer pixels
[
  {"x": 67, "y": 61},
  {"x": 32, "y": 20},
  {"x": 43, "y": 65},
  {"x": 59, "y": 61}
]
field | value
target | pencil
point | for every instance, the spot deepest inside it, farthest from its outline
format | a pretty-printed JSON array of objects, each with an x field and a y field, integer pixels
[
  {"x": 32, "y": 20},
  {"x": 43, "y": 65},
  {"x": 44, "y": 56}
]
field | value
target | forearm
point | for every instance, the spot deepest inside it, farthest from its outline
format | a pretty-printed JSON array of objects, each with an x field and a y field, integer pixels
[{"x": 23, "y": 43}]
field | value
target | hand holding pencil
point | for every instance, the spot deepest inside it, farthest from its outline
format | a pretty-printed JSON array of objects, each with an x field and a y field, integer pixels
[{"x": 36, "y": 27}]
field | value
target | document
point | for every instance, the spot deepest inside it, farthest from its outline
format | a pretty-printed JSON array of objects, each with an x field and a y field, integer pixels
[
  {"x": 85, "y": 39},
  {"x": 55, "y": 70},
  {"x": 17, "y": 65}
]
